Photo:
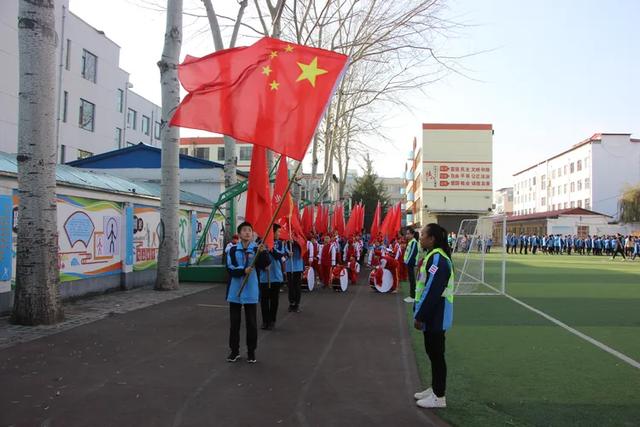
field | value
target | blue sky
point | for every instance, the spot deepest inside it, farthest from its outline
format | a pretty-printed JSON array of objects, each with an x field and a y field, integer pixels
[{"x": 554, "y": 73}]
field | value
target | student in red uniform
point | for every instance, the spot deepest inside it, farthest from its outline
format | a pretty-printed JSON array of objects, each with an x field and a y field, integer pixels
[{"x": 327, "y": 260}]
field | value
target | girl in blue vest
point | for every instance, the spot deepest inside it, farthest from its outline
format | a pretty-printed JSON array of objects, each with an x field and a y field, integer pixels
[{"x": 433, "y": 312}]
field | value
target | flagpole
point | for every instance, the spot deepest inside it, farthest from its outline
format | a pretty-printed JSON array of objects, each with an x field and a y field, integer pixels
[{"x": 273, "y": 219}]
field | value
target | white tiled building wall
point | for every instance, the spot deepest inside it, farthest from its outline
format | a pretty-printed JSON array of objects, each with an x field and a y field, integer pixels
[{"x": 94, "y": 94}]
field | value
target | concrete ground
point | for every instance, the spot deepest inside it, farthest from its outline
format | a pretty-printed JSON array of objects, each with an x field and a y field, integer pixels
[{"x": 346, "y": 360}]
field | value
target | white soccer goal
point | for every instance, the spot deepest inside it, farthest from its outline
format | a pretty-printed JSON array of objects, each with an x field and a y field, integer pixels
[{"x": 479, "y": 256}]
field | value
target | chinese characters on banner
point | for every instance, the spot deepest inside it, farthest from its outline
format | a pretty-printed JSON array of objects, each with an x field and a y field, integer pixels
[{"x": 468, "y": 176}]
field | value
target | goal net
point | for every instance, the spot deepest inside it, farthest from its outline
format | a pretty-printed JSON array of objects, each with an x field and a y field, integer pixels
[{"x": 479, "y": 256}]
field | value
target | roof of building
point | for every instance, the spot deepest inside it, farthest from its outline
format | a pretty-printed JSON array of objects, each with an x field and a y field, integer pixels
[
  {"x": 74, "y": 177},
  {"x": 592, "y": 138},
  {"x": 204, "y": 140},
  {"x": 457, "y": 126},
  {"x": 555, "y": 214},
  {"x": 139, "y": 156}
]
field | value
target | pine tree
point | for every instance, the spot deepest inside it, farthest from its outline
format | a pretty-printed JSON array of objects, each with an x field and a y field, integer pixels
[{"x": 369, "y": 189}]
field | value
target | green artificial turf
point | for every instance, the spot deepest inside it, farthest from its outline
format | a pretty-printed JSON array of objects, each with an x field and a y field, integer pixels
[{"x": 510, "y": 366}]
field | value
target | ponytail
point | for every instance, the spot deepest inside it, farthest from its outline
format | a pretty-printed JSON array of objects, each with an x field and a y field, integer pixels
[{"x": 440, "y": 236}]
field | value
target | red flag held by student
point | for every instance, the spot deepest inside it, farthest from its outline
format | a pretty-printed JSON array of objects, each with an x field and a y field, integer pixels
[
  {"x": 258, "y": 210},
  {"x": 282, "y": 179},
  {"x": 271, "y": 93}
]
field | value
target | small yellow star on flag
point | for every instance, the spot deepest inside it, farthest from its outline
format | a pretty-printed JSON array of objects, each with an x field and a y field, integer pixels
[
  {"x": 266, "y": 70},
  {"x": 274, "y": 85},
  {"x": 273, "y": 54},
  {"x": 289, "y": 48},
  {"x": 310, "y": 71}
]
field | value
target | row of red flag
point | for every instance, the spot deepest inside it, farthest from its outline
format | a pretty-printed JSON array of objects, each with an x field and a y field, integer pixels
[{"x": 261, "y": 205}]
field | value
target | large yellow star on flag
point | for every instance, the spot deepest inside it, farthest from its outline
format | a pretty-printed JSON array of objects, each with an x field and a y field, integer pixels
[{"x": 310, "y": 71}]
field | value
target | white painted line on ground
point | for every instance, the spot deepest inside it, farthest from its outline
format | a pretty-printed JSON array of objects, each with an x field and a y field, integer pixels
[{"x": 566, "y": 327}]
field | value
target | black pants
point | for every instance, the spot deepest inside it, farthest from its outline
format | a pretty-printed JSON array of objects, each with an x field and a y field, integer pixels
[
  {"x": 293, "y": 283},
  {"x": 250, "y": 313},
  {"x": 434, "y": 346},
  {"x": 269, "y": 298},
  {"x": 619, "y": 251},
  {"x": 412, "y": 280}
]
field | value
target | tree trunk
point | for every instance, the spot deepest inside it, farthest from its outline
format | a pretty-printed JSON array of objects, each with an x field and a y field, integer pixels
[
  {"x": 168, "y": 253},
  {"x": 37, "y": 297},
  {"x": 230, "y": 178}
]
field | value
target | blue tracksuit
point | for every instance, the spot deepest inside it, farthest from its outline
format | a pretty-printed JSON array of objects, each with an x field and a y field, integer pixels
[
  {"x": 434, "y": 310},
  {"x": 238, "y": 259}
]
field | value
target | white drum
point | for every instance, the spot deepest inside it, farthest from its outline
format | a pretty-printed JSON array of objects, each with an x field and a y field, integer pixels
[
  {"x": 387, "y": 282},
  {"x": 340, "y": 278},
  {"x": 309, "y": 278}
]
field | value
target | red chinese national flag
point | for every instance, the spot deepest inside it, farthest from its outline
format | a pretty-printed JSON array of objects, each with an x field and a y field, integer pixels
[
  {"x": 375, "y": 224},
  {"x": 271, "y": 93},
  {"x": 258, "y": 210},
  {"x": 282, "y": 179}
]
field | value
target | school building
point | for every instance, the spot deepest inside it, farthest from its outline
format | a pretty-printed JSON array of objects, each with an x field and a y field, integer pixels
[
  {"x": 212, "y": 148},
  {"x": 97, "y": 110},
  {"x": 591, "y": 175},
  {"x": 449, "y": 174}
]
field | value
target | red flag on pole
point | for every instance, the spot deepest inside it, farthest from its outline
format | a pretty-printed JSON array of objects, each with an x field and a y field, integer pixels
[
  {"x": 258, "y": 210},
  {"x": 375, "y": 224},
  {"x": 282, "y": 178},
  {"x": 271, "y": 93}
]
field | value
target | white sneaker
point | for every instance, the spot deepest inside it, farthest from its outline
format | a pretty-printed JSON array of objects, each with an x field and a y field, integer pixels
[
  {"x": 432, "y": 401},
  {"x": 423, "y": 394},
  {"x": 409, "y": 300}
]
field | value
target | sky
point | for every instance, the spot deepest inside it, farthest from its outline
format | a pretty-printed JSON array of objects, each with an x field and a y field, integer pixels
[{"x": 547, "y": 73}]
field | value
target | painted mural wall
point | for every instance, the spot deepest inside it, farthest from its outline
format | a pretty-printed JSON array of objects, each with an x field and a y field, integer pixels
[
  {"x": 89, "y": 237},
  {"x": 215, "y": 236}
]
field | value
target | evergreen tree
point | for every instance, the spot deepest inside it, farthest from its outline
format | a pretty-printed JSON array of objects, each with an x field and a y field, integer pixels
[{"x": 368, "y": 189}]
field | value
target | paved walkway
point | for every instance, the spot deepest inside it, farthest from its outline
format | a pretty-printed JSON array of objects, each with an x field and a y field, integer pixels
[{"x": 345, "y": 361}]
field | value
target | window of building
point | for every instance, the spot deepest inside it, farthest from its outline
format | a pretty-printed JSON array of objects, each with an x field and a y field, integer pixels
[
  {"x": 553, "y": 191},
  {"x": 120, "y": 100},
  {"x": 559, "y": 172},
  {"x": 565, "y": 189},
  {"x": 220, "y": 153},
  {"x": 572, "y": 167},
  {"x": 579, "y": 165},
  {"x": 87, "y": 115},
  {"x": 543, "y": 182},
  {"x": 533, "y": 180},
  {"x": 184, "y": 151},
  {"x": 62, "y": 153},
  {"x": 566, "y": 205},
  {"x": 156, "y": 130},
  {"x": 82, "y": 154},
  {"x": 118, "y": 137},
  {"x": 89, "y": 65},
  {"x": 587, "y": 183},
  {"x": 587, "y": 203},
  {"x": 132, "y": 118},
  {"x": 573, "y": 186},
  {"x": 586, "y": 162},
  {"x": 553, "y": 173},
  {"x": 543, "y": 201},
  {"x": 201, "y": 153},
  {"x": 65, "y": 104},
  {"x": 146, "y": 124},
  {"x": 67, "y": 58},
  {"x": 579, "y": 203},
  {"x": 245, "y": 153},
  {"x": 566, "y": 169},
  {"x": 553, "y": 207},
  {"x": 579, "y": 185},
  {"x": 573, "y": 204}
]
